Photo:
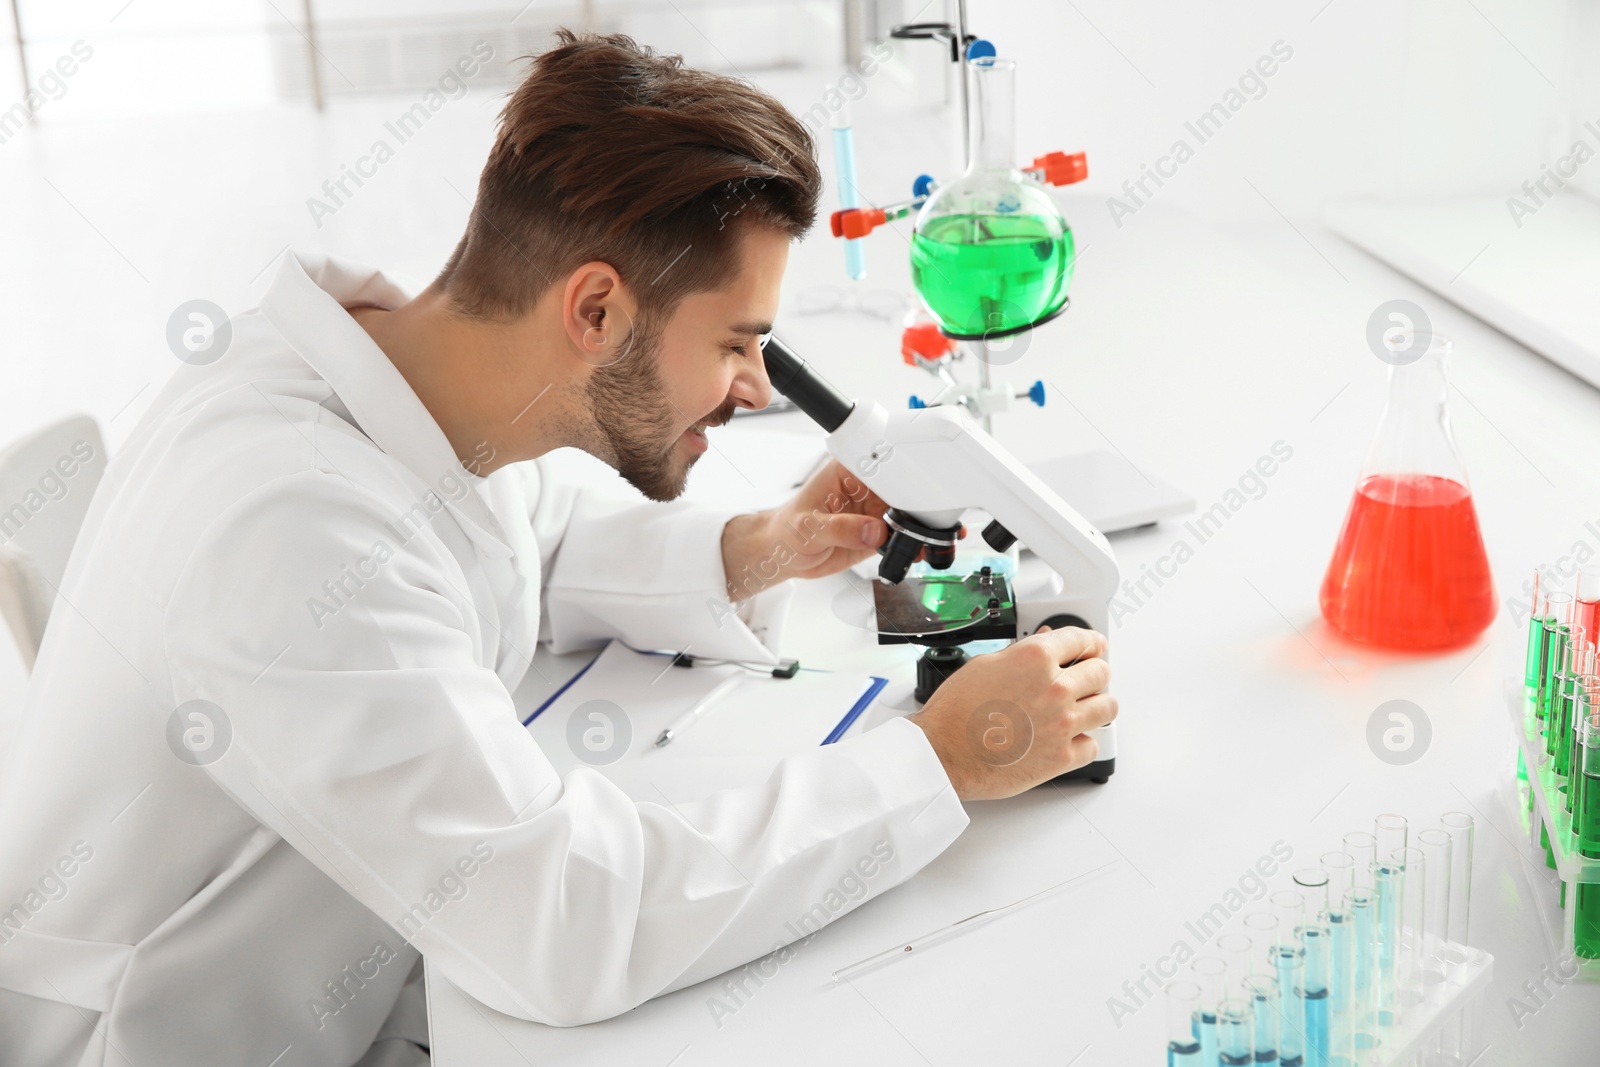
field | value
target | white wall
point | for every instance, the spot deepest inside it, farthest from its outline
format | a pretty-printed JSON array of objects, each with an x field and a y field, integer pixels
[{"x": 1396, "y": 98}]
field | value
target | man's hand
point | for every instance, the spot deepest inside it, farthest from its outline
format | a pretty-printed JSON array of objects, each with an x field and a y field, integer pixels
[
  {"x": 1009, "y": 720},
  {"x": 833, "y": 522}
]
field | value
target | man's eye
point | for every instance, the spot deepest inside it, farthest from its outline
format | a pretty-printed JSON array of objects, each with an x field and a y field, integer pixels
[{"x": 737, "y": 350}]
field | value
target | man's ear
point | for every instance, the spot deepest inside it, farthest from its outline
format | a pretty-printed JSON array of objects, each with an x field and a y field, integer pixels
[{"x": 597, "y": 313}]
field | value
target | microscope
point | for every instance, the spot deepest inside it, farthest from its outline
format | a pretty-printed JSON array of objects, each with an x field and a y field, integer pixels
[{"x": 931, "y": 465}]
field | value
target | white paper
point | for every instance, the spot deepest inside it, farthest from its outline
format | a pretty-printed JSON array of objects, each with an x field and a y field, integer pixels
[{"x": 625, "y": 699}]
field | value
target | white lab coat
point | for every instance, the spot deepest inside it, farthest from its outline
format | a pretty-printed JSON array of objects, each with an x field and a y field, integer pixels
[{"x": 374, "y": 779}]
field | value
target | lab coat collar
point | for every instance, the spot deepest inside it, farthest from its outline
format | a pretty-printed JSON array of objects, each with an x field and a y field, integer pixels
[{"x": 306, "y": 303}]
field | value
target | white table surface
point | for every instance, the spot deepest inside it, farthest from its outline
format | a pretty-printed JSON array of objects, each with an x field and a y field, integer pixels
[{"x": 1191, "y": 351}]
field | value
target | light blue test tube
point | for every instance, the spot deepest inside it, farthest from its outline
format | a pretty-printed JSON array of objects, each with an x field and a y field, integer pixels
[
  {"x": 1289, "y": 962},
  {"x": 844, "y": 153},
  {"x": 1388, "y": 888},
  {"x": 1235, "y": 1033},
  {"x": 1360, "y": 908},
  {"x": 1314, "y": 993}
]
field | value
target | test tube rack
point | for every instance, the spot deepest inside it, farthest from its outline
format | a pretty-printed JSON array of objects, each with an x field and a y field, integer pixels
[
  {"x": 1447, "y": 1007},
  {"x": 1547, "y": 834},
  {"x": 1431, "y": 1019}
]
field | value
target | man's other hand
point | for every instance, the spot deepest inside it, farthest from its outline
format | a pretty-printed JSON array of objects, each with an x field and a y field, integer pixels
[{"x": 833, "y": 522}]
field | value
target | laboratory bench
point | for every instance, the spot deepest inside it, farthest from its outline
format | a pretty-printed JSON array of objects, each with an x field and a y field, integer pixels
[{"x": 1193, "y": 351}]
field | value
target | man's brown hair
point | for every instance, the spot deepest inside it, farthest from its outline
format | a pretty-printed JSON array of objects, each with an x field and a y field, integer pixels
[{"x": 608, "y": 151}]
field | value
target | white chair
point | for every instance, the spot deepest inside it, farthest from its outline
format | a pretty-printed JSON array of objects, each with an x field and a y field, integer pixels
[{"x": 46, "y": 481}]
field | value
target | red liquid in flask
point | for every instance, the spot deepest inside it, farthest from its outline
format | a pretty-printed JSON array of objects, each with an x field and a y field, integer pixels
[{"x": 1409, "y": 571}]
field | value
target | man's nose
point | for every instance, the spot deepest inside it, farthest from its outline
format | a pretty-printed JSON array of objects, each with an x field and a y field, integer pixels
[{"x": 752, "y": 388}]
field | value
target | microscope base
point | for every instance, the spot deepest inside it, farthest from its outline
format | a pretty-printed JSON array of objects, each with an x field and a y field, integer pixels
[{"x": 1097, "y": 772}]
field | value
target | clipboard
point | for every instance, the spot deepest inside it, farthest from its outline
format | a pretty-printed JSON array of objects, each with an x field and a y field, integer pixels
[{"x": 608, "y": 715}]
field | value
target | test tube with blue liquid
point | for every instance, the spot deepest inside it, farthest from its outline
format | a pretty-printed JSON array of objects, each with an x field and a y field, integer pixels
[
  {"x": 1289, "y": 963},
  {"x": 1388, "y": 887},
  {"x": 1339, "y": 867},
  {"x": 1262, "y": 992},
  {"x": 1361, "y": 906},
  {"x": 1209, "y": 973},
  {"x": 1183, "y": 1013},
  {"x": 1313, "y": 992},
  {"x": 1235, "y": 1033},
  {"x": 844, "y": 152}
]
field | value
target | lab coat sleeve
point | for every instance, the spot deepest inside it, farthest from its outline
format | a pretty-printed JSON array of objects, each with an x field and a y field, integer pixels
[
  {"x": 648, "y": 573},
  {"x": 369, "y": 734}
]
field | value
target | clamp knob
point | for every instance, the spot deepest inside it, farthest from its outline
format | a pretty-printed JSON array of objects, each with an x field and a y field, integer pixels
[
  {"x": 853, "y": 222},
  {"x": 917, "y": 403},
  {"x": 980, "y": 49},
  {"x": 1035, "y": 393},
  {"x": 922, "y": 186},
  {"x": 1062, "y": 169},
  {"x": 925, "y": 340}
]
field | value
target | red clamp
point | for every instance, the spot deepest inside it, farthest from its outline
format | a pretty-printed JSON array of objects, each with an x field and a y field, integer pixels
[
  {"x": 1062, "y": 169},
  {"x": 855, "y": 222},
  {"x": 924, "y": 339}
]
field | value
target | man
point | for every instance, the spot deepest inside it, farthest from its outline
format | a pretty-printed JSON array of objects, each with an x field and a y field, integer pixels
[{"x": 269, "y": 753}]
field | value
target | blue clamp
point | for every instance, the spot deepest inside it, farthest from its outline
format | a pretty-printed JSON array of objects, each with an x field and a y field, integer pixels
[
  {"x": 921, "y": 186},
  {"x": 980, "y": 49},
  {"x": 1036, "y": 393},
  {"x": 917, "y": 404}
]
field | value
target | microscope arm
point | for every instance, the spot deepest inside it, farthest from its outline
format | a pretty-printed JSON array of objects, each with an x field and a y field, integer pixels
[{"x": 935, "y": 463}]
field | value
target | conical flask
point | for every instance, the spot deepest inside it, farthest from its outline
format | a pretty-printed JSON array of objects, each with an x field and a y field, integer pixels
[
  {"x": 1409, "y": 571},
  {"x": 990, "y": 253}
]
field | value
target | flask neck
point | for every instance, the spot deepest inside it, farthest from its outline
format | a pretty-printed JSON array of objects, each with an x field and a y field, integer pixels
[
  {"x": 1414, "y": 434},
  {"x": 991, "y": 139}
]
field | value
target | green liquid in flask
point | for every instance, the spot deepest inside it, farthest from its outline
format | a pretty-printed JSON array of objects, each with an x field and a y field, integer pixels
[{"x": 982, "y": 273}]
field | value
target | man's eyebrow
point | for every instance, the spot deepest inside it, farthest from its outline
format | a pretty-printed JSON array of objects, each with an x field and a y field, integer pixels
[{"x": 757, "y": 328}]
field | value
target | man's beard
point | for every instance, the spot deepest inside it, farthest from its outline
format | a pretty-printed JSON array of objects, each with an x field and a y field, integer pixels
[{"x": 629, "y": 405}]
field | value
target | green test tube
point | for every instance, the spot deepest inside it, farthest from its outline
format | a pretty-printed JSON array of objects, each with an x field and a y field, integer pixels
[
  {"x": 1559, "y": 607},
  {"x": 1536, "y": 630},
  {"x": 1586, "y": 921},
  {"x": 1587, "y": 816}
]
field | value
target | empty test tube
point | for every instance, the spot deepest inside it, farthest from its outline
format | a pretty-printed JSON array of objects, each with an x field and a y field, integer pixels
[
  {"x": 1389, "y": 833},
  {"x": 1235, "y": 952},
  {"x": 1290, "y": 908},
  {"x": 1183, "y": 1008},
  {"x": 1362, "y": 847},
  {"x": 1413, "y": 919},
  {"x": 1436, "y": 848},
  {"x": 1312, "y": 885},
  {"x": 1262, "y": 990},
  {"x": 1458, "y": 824},
  {"x": 1209, "y": 972},
  {"x": 1235, "y": 1033}
]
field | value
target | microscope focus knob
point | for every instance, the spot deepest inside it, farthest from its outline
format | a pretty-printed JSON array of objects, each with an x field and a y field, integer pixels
[{"x": 999, "y": 538}]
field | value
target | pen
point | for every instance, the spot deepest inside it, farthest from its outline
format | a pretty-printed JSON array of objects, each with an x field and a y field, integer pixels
[{"x": 684, "y": 721}]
